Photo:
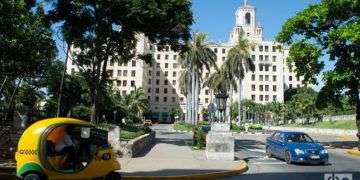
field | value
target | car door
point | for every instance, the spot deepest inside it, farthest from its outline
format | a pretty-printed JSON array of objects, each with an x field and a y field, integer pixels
[
  {"x": 279, "y": 144},
  {"x": 271, "y": 142}
]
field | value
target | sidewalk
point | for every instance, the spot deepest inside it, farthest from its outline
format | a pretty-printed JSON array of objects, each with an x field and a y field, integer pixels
[{"x": 173, "y": 157}]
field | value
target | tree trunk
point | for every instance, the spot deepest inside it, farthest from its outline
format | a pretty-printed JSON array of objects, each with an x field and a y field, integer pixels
[
  {"x": 229, "y": 105},
  {"x": 188, "y": 103},
  {"x": 196, "y": 119},
  {"x": 62, "y": 81},
  {"x": 193, "y": 96},
  {"x": 240, "y": 92},
  {"x": 3, "y": 84},
  {"x": 12, "y": 99}
]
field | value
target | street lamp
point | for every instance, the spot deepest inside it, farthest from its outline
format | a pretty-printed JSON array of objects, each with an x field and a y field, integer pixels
[{"x": 220, "y": 100}]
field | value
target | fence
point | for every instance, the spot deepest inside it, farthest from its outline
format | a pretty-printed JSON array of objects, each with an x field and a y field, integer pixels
[{"x": 350, "y": 117}]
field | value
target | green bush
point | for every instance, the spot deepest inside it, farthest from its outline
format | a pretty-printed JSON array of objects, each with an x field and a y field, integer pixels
[
  {"x": 256, "y": 126},
  {"x": 237, "y": 128},
  {"x": 182, "y": 126},
  {"x": 199, "y": 138}
]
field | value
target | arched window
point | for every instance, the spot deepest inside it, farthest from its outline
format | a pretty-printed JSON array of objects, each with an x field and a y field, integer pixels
[{"x": 247, "y": 18}]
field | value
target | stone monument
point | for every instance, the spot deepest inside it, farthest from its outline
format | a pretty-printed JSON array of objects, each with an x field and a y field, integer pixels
[{"x": 219, "y": 140}]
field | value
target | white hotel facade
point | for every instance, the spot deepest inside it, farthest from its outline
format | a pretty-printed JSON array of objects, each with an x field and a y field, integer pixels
[{"x": 161, "y": 81}]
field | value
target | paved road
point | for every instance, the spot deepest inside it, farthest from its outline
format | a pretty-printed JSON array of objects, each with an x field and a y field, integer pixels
[{"x": 252, "y": 148}]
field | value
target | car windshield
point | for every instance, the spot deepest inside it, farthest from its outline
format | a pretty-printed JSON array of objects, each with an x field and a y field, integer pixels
[{"x": 299, "y": 138}]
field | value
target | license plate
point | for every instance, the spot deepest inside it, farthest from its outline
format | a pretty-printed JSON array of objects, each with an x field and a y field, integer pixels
[{"x": 315, "y": 157}]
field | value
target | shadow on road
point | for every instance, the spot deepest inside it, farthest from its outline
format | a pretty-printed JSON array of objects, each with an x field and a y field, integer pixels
[{"x": 291, "y": 175}]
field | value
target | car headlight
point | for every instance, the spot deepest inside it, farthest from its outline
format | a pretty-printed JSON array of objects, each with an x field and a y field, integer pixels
[
  {"x": 324, "y": 151},
  {"x": 299, "y": 151}
]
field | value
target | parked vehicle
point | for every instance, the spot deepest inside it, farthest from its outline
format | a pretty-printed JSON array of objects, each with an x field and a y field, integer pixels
[
  {"x": 295, "y": 147},
  {"x": 65, "y": 148}
]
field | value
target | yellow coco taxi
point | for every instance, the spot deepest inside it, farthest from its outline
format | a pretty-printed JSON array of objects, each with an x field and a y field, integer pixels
[{"x": 65, "y": 148}]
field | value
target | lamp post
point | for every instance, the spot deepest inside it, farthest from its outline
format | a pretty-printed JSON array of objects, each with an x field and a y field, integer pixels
[{"x": 220, "y": 100}]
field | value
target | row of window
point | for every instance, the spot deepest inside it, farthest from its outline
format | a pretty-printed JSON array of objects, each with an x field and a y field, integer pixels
[
  {"x": 263, "y": 57},
  {"x": 264, "y": 78},
  {"x": 120, "y": 73},
  {"x": 131, "y": 63},
  {"x": 124, "y": 83},
  {"x": 264, "y": 67},
  {"x": 164, "y": 99},
  {"x": 264, "y": 97},
  {"x": 262, "y": 48},
  {"x": 166, "y": 73},
  {"x": 165, "y": 90},
  {"x": 263, "y": 88},
  {"x": 291, "y": 78},
  {"x": 166, "y": 57},
  {"x": 157, "y": 82},
  {"x": 175, "y": 65}
]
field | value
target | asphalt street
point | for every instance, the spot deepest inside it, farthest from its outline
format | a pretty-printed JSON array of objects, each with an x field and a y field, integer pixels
[{"x": 252, "y": 149}]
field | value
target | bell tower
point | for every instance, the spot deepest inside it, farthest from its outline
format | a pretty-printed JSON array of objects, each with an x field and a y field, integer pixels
[{"x": 246, "y": 23}]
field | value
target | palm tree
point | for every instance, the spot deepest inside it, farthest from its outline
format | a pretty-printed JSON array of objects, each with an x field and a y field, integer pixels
[
  {"x": 195, "y": 59},
  {"x": 185, "y": 88},
  {"x": 238, "y": 63}
]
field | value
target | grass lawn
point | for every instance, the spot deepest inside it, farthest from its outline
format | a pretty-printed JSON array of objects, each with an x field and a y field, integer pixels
[
  {"x": 328, "y": 125},
  {"x": 181, "y": 126}
]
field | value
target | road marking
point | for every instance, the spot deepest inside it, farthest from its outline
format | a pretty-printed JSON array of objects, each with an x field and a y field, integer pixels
[
  {"x": 253, "y": 150},
  {"x": 268, "y": 163}
]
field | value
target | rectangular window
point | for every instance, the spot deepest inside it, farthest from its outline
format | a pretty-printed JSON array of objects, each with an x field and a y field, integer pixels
[
  {"x": 111, "y": 63},
  {"x": 266, "y": 57},
  {"x": 174, "y": 91},
  {"x": 157, "y": 73},
  {"x": 175, "y": 57},
  {"x": 181, "y": 99},
  {"x": 261, "y": 87},
  {"x": 290, "y": 86},
  {"x": 215, "y": 50},
  {"x": 290, "y": 78},
  {"x": 167, "y": 48},
  {"x": 149, "y": 90},
  {"x": 253, "y": 97},
  {"x": 266, "y": 48},
  {"x": 253, "y": 57},
  {"x": 150, "y": 73},
  {"x": 149, "y": 81},
  {"x": 175, "y": 65},
  {"x": 166, "y": 57},
  {"x": 174, "y": 82},
  {"x": 223, "y": 51},
  {"x": 298, "y": 78},
  {"x": 253, "y": 77},
  {"x": 206, "y": 100},
  {"x": 133, "y": 63},
  {"x": 166, "y": 73},
  {"x": 274, "y": 68},
  {"x": 266, "y": 87},
  {"x": 149, "y": 98},
  {"x": 110, "y": 73},
  {"x": 173, "y": 99},
  {"x": 118, "y": 83},
  {"x": 158, "y": 56},
  {"x": 124, "y": 83},
  {"x": 274, "y": 58},
  {"x": 165, "y": 99},
  {"x": 133, "y": 73},
  {"x": 261, "y": 98},
  {"x": 274, "y": 88},
  {"x": 252, "y": 48},
  {"x": 266, "y": 97},
  {"x": 151, "y": 47},
  {"x": 174, "y": 74},
  {"x": 266, "y": 68},
  {"x": 261, "y": 57},
  {"x": 261, "y": 67},
  {"x": 253, "y": 87},
  {"x": 157, "y": 82},
  {"x": 165, "y": 90},
  {"x": 266, "y": 77},
  {"x": 157, "y": 98},
  {"x": 274, "y": 78},
  {"x": 261, "y": 48},
  {"x": 274, "y": 98},
  {"x": 206, "y": 92},
  {"x": 125, "y": 72},
  {"x": 274, "y": 49},
  {"x": 124, "y": 93},
  {"x": 166, "y": 65},
  {"x": 119, "y": 73},
  {"x": 132, "y": 83},
  {"x": 166, "y": 82},
  {"x": 157, "y": 90},
  {"x": 261, "y": 78}
]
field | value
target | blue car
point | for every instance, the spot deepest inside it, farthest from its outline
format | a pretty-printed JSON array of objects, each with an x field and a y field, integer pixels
[{"x": 295, "y": 147}]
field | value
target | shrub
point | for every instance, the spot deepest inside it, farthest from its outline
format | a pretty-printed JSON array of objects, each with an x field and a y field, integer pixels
[{"x": 199, "y": 138}]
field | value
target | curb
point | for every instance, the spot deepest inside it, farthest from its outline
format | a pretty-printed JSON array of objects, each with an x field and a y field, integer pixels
[
  {"x": 243, "y": 167},
  {"x": 354, "y": 152}
]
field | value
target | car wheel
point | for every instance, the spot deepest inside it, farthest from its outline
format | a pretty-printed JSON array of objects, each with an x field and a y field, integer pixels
[
  {"x": 268, "y": 152},
  {"x": 113, "y": 176},
  {"x": 33, "y": 176},
  {"x": 287, "y": 157}
]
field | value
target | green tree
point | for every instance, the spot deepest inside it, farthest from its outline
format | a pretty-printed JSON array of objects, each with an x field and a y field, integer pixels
[
  {"x": 175, "y": 112},
  {"x": 330, "y": 27},
  {"x": 238, "y": 63},
  {"x": 109, "y": 30},
  {"x": 197, "y": 57}
]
